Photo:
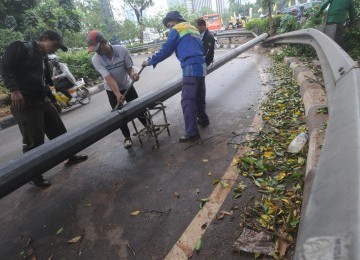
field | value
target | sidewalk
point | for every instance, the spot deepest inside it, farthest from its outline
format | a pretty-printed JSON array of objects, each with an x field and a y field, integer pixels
[{"x": 10, "y": 121}]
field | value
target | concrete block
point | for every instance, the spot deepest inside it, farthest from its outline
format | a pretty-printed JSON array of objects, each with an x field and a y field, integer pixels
[
  {"x": 305, "y": 75},
  {"x": 309, "y": 85}
]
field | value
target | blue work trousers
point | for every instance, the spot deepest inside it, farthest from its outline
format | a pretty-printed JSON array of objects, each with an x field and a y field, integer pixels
[{"x": 193, "y": 104}]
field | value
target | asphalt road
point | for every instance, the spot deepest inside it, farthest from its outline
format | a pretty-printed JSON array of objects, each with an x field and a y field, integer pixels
[{"x": 95, "y": 199}]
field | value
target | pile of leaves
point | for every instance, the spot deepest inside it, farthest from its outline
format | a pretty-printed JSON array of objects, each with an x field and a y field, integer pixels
[{"x": 277, "y": 174}]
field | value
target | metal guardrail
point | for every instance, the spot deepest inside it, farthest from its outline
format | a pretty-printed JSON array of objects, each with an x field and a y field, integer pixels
[
  {"x": 330, "y": 225},
  {"x": 18, "y": 172},
  {"x": 234, "y": 33}
]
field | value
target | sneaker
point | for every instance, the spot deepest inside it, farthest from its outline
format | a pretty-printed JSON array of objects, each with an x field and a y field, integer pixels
[
  {"x": 127, "y": 143},
  {"x": 40, "y": 182},
  {"x": 77, "y": 158},
  {"x": 187, "y": 138}
]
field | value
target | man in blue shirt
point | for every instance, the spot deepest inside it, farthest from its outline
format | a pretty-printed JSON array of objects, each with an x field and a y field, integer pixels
[{"x": 184, "y": 39}]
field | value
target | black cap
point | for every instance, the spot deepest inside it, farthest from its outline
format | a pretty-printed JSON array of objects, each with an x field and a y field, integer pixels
[
  {"x": 54, "y": 36},
  {"x": 173, "y": 16}
]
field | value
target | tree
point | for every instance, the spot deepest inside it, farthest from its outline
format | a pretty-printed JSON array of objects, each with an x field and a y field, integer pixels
[
  {"x": 51, "y": 14},
  {"x": 139, "y": 6},
  {"x": 269, "y": 5},
  {"x": 189, "y": 16},
  {"x": 205, "y": 10},
  {"x": 156, "y": 23},
  {"x": 128, "y": 31},
  {"x": 13, "y": 11}
]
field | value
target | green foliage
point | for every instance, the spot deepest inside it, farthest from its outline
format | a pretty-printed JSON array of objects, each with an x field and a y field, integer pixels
[
  {"x": 352, "y": 43},
  {"x": 128, "y": 31},
  {"x": 8, "y": 36},
  {"x": 257, "y": 25},
  {"x": 277, "y": 22},
  {"x": 11, "y": 13},
  {"x": 289, "y": 23},
  {"x": 295, "y": 50},
  {"x": 139, "y": 6},
  {"x": 80, "y": 65},
  {"x": 156, "y": 23},
  {"x": 51, "y": 14},
  {"x": 313, "y": 21}
]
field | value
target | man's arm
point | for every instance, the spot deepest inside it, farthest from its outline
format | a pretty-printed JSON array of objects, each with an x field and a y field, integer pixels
[
  {"x": 323, "y": 6},
  {"x": 115, "y": 88},
  {"x": 211, "y": 46},
  {"x": 132, "y": 74},
  {"x": 14, "y": 55},
  {"x": 166, "y": 49}
]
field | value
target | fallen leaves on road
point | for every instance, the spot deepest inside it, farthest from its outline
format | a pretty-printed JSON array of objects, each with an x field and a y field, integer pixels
[
  {"x": 74, "y": 240},
  {"x": 198, "y": 245},
  {"x": 59, "y": 231},
  {"x": 203, "y": 201},
  {"x": 135, "y": 213},
  {"x": 277, "y": 173}
]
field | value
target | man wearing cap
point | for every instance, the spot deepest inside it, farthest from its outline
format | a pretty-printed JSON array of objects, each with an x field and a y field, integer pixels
[
  {"x": 184, "y": 40},
  {"x": 115, "y": 65},
  {"x": 26, "y": 73}
]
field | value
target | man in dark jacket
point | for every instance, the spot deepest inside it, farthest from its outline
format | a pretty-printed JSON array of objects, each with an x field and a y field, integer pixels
[
  {"x": 207, "y": 39},
  {"x": 26, "y": 73}
]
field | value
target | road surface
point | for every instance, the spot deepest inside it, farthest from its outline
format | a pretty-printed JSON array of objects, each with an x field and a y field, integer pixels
[{"x": 95, "y": 199}]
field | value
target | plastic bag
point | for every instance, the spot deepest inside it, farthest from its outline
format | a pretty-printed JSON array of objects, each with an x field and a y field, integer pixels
[{"x": 298, "y": 143}]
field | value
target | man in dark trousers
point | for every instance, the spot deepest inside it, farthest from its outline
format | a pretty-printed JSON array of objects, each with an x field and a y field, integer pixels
[
  {"x": 184, "y": 40},
  {"x": 26, "y": 73},
  {"x": 207, "y": 39},
  {"x": 336, "y": 17}
]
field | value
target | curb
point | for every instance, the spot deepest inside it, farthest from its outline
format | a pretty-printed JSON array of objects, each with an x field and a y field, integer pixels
[
  {"x": 10, "y": 121},
  {"x": 314, "y": 98}
]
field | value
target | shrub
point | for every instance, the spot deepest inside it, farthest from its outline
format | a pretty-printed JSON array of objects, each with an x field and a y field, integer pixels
[
  {"x": 352, "y": 43},
  {"x": 296, "y": 50},
  {"x": 288, "y": 23},
  {"x": 257, "y": 25},
  {"x": 276, "y": 22},
  {"x": 80, "y": 65},
  {"x": 8, "y": 36}
]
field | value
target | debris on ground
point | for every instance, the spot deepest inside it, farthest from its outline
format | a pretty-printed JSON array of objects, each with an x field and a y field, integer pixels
[{"x": 254, "y": 242}]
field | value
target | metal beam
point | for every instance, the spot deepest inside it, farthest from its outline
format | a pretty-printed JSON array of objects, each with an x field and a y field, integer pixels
[
  {"x": 330, "y": 224},
  {"x": 18, "y": 172}
]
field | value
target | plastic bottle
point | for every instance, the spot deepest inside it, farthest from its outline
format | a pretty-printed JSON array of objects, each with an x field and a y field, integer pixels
[{"x": 298, "y": 143}]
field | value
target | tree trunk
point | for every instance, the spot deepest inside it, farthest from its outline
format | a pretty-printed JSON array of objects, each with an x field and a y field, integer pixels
[
  {"x": 141, "y": 36},
  {"x": 271, "y": 20}
]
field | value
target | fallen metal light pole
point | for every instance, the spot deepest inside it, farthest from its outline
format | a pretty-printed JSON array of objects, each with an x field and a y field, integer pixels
[
  {"x": 19, "y": 171},
  {"x": 234, "y": 33}
]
